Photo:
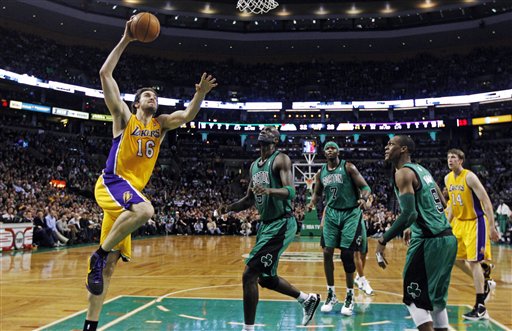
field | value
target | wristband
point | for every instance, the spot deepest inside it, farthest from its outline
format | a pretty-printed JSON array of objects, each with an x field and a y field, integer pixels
[
  {"x": 365, "y": 188},
  {"x": 291, "y": 191}
]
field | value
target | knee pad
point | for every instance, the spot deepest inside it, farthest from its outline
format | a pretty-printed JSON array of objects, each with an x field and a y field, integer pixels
[
  {"x": 440, "y": 319},
  {"x": 419, "y": 316},
  {"x": 347, "y": 257},
  {"x": 269, "y": 282}
]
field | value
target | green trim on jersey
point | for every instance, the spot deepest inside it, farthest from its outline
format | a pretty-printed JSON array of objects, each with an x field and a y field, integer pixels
[
  {"x": 269, "y": 207},
  {"x": 340, "y": 190},
  {"x": 431, "y": 218}
]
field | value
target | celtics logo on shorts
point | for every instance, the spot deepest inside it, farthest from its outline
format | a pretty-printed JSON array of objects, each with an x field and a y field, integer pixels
[
  {"x": 359, "y": 241},
  {"x": 414, "y": 290},
  {"x": 266, "y": 260}
]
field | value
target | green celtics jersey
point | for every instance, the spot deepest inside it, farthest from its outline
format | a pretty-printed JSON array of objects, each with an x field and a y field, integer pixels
[
  {"x": 340, "y": 191},
  {"x": 431, "y": 218},
  {"x": 269, "y": 207}
]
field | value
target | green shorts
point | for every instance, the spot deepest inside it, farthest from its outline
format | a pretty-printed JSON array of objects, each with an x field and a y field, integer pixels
[
  {"x": 343, "y": 228},
  {"x": 363, "y": 247},
  {"x": 427, "y": 271},
  {"x": 271, "y": 241}
]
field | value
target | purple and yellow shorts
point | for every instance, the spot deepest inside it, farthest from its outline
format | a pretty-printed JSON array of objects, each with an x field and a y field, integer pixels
[{"x": 114, "y": 195}]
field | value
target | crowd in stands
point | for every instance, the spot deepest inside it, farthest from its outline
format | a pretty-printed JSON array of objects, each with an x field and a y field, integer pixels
[
  {"x": 186, "y": 191},
  {"x": 193, "y": 177},
  {"x": 421, "y": 76}
]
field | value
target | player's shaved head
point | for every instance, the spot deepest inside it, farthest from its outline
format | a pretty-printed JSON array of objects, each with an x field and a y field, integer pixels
[{"x": 406, "y": 141}]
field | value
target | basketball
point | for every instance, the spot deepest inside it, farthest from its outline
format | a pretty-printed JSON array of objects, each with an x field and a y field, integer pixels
[{"x": 145, "y": 27}]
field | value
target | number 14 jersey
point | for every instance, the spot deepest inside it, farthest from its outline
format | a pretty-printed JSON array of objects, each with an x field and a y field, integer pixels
[{"x": 465, "y": 204}]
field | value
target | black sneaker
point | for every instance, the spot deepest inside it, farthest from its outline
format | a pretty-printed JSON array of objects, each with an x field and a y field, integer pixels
[
  {"x": 309, "y": 307},
  {"x": 94, "y": 280},
  {"x": 479, "y": 312}
]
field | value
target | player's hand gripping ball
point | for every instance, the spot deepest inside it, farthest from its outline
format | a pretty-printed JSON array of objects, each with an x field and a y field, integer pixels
[{"x": 145, "y": 27}]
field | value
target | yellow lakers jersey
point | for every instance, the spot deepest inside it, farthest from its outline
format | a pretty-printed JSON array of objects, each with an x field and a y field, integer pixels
[
  {"x": 465, "y": 204},
  {"x": 133, "y": 154}
]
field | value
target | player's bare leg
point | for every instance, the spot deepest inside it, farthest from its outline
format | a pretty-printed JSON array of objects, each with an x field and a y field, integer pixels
[{"x": 96, "y": 301}]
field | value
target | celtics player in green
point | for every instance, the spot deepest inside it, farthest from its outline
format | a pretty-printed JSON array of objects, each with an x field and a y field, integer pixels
[
  {"x": 432, "y": 246},
  {"x": 271, "y": 191},
  {"x": 346, "y": 193}
]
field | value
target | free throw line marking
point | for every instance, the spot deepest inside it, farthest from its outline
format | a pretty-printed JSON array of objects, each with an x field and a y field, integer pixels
[{"x": 192, "y": 317}]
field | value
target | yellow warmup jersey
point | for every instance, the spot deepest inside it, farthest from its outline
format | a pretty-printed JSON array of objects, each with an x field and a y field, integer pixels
[
  {"x": 133, "y": 154},
  {"x": 465, "y": 204}
]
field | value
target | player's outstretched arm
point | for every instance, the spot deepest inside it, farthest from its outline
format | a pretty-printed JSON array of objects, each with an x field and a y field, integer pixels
[
  {"x": 178, "y": 118},
  {"x": 246, "y": 202},
  {"x": 117, "y": 107}
]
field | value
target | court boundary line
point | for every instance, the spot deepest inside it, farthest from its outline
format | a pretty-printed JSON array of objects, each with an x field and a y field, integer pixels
[
  {"x": 158, "y": 299},
  {"x": 284, "y": 300},
  {"x": 166, "y": 296},
  {"x": 73, "y": 315},
  {"x": 240, "y": 299}
]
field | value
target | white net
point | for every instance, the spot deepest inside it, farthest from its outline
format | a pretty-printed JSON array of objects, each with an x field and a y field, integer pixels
[
  {"x": 256, "y": 6},
  {"x": 309, "y": 183}
]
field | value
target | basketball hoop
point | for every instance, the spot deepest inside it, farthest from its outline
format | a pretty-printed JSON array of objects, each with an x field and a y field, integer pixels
[
  {"x": 256, "y": 6},
  {"x": 309, "y": 182}
]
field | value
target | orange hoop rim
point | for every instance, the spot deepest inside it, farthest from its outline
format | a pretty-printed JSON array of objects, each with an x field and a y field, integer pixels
[{"x": 309, "y": 182}]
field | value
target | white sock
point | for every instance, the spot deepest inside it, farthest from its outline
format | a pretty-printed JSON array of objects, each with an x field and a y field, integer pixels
[
  {"x": 357, "y": 276},
  {"x": 331, "y": 289},
  {"x": 248, "y": 327},
  {"x": 302, "y": 297},
  {"x": 362, "y": 278}
]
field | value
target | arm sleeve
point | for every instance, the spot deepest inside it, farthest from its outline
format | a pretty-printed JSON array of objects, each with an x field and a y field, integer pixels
[{"x": 406, "y": 218}]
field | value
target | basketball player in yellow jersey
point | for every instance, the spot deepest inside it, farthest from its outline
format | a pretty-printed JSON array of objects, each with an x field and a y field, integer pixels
[
  {"x": 471, "y": 215},
  {"x": 135, "y": 147}
]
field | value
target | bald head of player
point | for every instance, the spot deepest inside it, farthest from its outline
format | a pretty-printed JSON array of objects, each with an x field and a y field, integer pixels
[
  {"x": 269, "y": 135},
  {"x": 399, "y": 150}
]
